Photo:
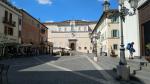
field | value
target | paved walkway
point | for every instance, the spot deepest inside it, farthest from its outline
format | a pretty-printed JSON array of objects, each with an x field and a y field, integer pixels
[
  {"x": 109, "y": 63},
  {"x": 56, "y": 70},
  {"x": 79, "y": 69}
]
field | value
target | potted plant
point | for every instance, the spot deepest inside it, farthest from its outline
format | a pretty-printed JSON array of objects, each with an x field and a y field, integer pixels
[
  {"x": 112, "y": 54},
  {"x": 147, "y": 57}
]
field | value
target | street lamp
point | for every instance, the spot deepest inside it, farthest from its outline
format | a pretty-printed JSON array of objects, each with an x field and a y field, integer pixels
[
  {"x": 123, "y": 70},
  {"x": 94, "y": 41}
]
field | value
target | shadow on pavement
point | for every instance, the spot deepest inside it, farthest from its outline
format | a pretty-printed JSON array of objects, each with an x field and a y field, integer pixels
[
  {"x": 31, "y": 71},
  {"x": 23, "y": 63},
  {"x": 63, "y": 77}
]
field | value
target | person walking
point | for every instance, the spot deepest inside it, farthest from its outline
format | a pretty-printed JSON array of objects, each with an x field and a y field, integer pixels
[{"x": 131, "y": 49}]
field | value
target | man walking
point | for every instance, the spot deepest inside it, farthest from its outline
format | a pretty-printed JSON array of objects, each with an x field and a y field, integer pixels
[{"x": 131, "y": 49}]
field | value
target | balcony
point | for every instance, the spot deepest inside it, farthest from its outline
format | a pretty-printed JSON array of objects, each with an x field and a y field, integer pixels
[
  {"x": 10, "y": 23},
  {"x": 13, "y": 24},
  {"x": 5, "y": 20}
]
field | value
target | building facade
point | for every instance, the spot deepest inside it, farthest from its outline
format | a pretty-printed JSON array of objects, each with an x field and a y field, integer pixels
[
  {"x": 10, "y": 23},
  {"x": 34, "y": 33},
  {"x": 107, "y": 29},
  {"x": 73, "y": 34},
  {"x": 130, "y": 28},
  {"x": 30, "y": 33},
  {"x": 44, "y": 39},
  {"x": 144, "y": 27},
  {"x": 137, "y": 24}
]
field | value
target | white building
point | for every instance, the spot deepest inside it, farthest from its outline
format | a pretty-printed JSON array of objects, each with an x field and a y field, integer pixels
[
  {"x": 10, "y": 23},
  {"x": 107, "y": 29},
  {"x": 72, "y": 34},
  {"x": 131, "y": 28}
]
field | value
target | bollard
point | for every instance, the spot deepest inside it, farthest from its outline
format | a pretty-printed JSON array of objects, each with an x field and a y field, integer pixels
[
  {"x": 1, "y": 69},
  {"x": 5, "y": 74}
]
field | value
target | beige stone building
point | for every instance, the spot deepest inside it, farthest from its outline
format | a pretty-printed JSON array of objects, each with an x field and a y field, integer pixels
[
  {"x": 73, "y": 34},
  {"x": 108, "y": 30},
  {"x": 10, "y": 23}
]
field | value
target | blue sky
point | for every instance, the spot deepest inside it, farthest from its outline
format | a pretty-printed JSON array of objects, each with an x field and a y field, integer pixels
[{"x": 60, "y": 10}]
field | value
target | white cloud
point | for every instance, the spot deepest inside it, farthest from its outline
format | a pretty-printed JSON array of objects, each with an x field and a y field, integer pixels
[
  {"x": 49, "y": 21},
  {"x": 44, "y": 2}
]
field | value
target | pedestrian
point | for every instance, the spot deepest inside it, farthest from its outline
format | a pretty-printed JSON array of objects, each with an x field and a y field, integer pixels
[{"x": 131, "y": 49}]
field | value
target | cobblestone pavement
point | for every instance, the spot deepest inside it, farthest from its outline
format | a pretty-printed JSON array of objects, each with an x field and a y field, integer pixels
[{"x": 56, "y": 70}]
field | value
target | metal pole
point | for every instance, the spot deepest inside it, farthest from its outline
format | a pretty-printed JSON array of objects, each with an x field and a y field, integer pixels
[
  {"x": 122, "y": 49},
  {"x": 96, "y": 49}
]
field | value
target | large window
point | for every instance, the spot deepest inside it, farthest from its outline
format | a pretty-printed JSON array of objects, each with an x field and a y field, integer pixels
[
  {"x": 10, "y": 17},
  {"x": 5, "y": 30},
  {"x": 65, "y": 29},
  {"x": 8, "y": 31},
  {"x": 6, "y": 15},
  {"x": 59, "y": 29},
  {"x": 85, "y": 28},
  {"x": 72, "y": 28},
  {"x": 115, "y": 33},
  {"x": 79, "y": 29}
]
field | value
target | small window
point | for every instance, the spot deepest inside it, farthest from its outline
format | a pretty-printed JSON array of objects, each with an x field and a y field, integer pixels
[
  {"x": 115, "y": 46},
  {"x": 115, "y": 33},
  {"x": 85, "y": 48}
]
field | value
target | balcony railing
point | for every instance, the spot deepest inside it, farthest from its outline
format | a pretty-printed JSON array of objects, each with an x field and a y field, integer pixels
[
  {"x": 10, "y": 23},
  {"x": 5, "y": 20}
]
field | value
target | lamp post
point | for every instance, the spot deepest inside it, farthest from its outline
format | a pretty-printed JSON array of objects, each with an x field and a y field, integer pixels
[
  {"x": 94, "y": 41},
  {"x": 123, "y": 70}
]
